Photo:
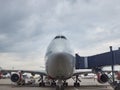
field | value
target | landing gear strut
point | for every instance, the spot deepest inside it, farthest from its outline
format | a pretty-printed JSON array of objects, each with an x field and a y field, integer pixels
[
  {"x": 53, "y": 83},
  {"x": 59, "y": 85},
  {"x": 65, "y": 84},
  {"x": 41, "y": 84},
  {"x": 77, "y": 84}
]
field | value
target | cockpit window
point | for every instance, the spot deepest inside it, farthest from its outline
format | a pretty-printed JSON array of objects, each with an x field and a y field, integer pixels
[
  {"x": 57, "y": 37},
  {"x": 62, "y": 37}
]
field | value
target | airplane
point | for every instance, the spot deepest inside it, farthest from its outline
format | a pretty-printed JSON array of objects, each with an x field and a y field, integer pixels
[{"x": 62, "y": 64}]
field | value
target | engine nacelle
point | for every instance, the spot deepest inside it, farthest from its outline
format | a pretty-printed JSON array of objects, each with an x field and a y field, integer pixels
[
  {"x": 102, "y": 78},
  {"x": 17, "y": 78}
]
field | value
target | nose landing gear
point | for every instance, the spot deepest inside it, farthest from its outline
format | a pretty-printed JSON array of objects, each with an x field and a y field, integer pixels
[
  {"x": 65, "y": 84},
  {"x": 60, "y": 85}
]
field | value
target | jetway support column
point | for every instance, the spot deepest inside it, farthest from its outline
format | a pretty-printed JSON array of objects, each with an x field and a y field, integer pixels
[{"x": 114, "y": 84}]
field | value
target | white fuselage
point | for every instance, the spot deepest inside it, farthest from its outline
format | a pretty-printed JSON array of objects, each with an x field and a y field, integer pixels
[{"x": 60, "y": 61}]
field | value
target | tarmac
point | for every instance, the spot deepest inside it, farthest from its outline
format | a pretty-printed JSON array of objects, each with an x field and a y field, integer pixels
[{"x": 86, "y": 84}]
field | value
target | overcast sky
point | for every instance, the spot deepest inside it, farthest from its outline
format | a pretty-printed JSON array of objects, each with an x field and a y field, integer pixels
[{"x": 28, "y": 26}]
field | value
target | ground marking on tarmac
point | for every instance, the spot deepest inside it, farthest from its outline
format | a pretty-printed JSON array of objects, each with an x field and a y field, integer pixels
[{"x": 76, "y": 88}]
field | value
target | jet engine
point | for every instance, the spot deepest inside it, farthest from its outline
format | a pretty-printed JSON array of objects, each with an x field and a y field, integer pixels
[
  {"x": 102, "y": 78},
  {"x": 18, "y": 78}
]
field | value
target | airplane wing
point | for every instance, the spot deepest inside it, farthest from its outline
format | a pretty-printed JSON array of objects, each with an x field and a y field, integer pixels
[
  {"x": 18, "y": 78},
  {"x": 42, "y": 72},
  {"x": 99, "y": 60},
  {"x": 82, "y": 71},
  {"x": 87, "y": 71}
]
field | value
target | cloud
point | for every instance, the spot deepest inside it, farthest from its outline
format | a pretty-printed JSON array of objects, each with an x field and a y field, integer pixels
[
  {"x": 28, "y": 26},
  {"x": 16, "y": 61}
]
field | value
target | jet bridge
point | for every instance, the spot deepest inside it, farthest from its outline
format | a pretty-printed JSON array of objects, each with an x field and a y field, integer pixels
[
  {"x": 99, "y": 60},
  {"x": 95, "y": 62}
]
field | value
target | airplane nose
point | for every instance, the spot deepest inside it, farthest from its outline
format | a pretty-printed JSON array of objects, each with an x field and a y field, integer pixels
[
  {"x": 63, "y": 63},
  {"x": 60, "y": 56}
]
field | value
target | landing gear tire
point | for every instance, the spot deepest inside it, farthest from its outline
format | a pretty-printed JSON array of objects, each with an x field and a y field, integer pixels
[
  {"x": 41, "y": 84},
  {"x": 76, "y": 84},
  {"x": 53, "y": 84},
  {"x": 65, "y": 84}
]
